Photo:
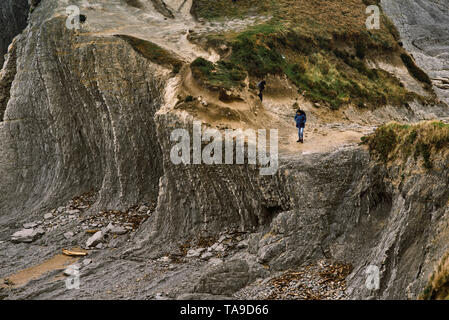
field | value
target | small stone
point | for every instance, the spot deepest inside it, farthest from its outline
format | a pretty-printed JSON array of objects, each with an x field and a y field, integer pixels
[
  {"x": 86, "y": 262},
  {"x": 95, "y": 239},
  {"x": 27, "y": 235},
  {"x": 143, "y": 209},
  {"x": 30, "y": 225},
  {"x": 99, "y": 246},
  {"x": 222, "y": 238},
  {"x": 164, "y": 259},
  {"x": 68, "y": 235},
  {"x": 119, "y": 230},
  {"x": 215, "y": 261},
  {"x": 72, "y": 212},
  {"x": 48, "y": 216},
  {"x": 72, "y": 270},
  {"x": 160, "y": 296},
  {"x": 242, "y": 244},
  {"x": 207, "y": 255},
  {"x": 220, "y": 248},
  {"x": 195, "y": 253}
]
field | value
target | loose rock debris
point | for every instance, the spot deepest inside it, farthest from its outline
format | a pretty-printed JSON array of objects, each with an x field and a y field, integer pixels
[{"x": 325, "y": 281}]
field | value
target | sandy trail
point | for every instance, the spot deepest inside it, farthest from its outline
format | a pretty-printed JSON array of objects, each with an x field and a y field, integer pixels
[
  {"x": 326, "y": 130},
  {"x": 320, "y": 136}
]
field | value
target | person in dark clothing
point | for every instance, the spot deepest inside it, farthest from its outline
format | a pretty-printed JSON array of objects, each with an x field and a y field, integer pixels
[
  {"x": 261, "y": 85},
  {"x": 301, "y": 120}
]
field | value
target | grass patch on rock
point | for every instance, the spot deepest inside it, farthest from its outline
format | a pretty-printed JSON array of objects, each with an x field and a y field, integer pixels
[
  {"x": 421, "y": 141},
  {"x": 215, "y": 76},
  {"x": 218, "y": 9},
  {"x": 438, "y": 286},
  {"x": 153, "y": 52},
  {"x": 322, "y": 46}
]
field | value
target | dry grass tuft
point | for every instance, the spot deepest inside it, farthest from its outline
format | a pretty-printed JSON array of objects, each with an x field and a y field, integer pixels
[
  {"x": 438, "y": 287},
  {"x": 392, "y": 141}
]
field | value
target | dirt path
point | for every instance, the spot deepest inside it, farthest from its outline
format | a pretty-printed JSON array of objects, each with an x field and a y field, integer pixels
[{"x": 325, "y": 131}]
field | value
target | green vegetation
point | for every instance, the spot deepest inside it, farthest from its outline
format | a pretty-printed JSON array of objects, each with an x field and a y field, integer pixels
[
  {"x": 221, "y": 75},
  {"x": 320, "y": 45},
  {"x": 424, "y": 140},
  {"x": 153, "y": 52},
  {"x": 217, "y": 9}
]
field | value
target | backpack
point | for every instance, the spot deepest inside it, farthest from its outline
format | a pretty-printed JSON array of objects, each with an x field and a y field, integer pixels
[{"x": 303, "y": 114}]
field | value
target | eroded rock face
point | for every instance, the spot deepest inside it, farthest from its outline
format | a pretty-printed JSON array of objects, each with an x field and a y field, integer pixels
[
  {"x": 423, "y": 26},
  {"x": 81, "y": 123},
  {"x": 224, "y": 279}
]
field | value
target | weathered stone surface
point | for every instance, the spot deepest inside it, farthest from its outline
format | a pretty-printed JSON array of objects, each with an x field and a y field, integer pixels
[
  {"x": 79, "y": 139},
  {"x": 68, "y": 235},
  {"x": 119, "y": 230},
  {"x": 27, "y": 235},
  {"x": 423, "y": 26},
  {"x": 95, "y": 239},
  {"x": 195, "y": 253},
  {"x": 224, "y": 279}
]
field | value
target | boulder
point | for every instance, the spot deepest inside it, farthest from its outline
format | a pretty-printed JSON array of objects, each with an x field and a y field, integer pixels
[
  {"x": 27, "y": 235},
  {"x": 195, "y": 253},
  {"x": 95, "y": 239}
]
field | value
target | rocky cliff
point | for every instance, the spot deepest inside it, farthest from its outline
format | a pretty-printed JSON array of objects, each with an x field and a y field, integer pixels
[
  {"x": 85, "y": 140},
  {"x": 424, "y": 31}
]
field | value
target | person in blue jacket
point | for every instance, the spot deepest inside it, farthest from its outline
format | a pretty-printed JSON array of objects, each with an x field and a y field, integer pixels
[{"x": 301, "y": 120}]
